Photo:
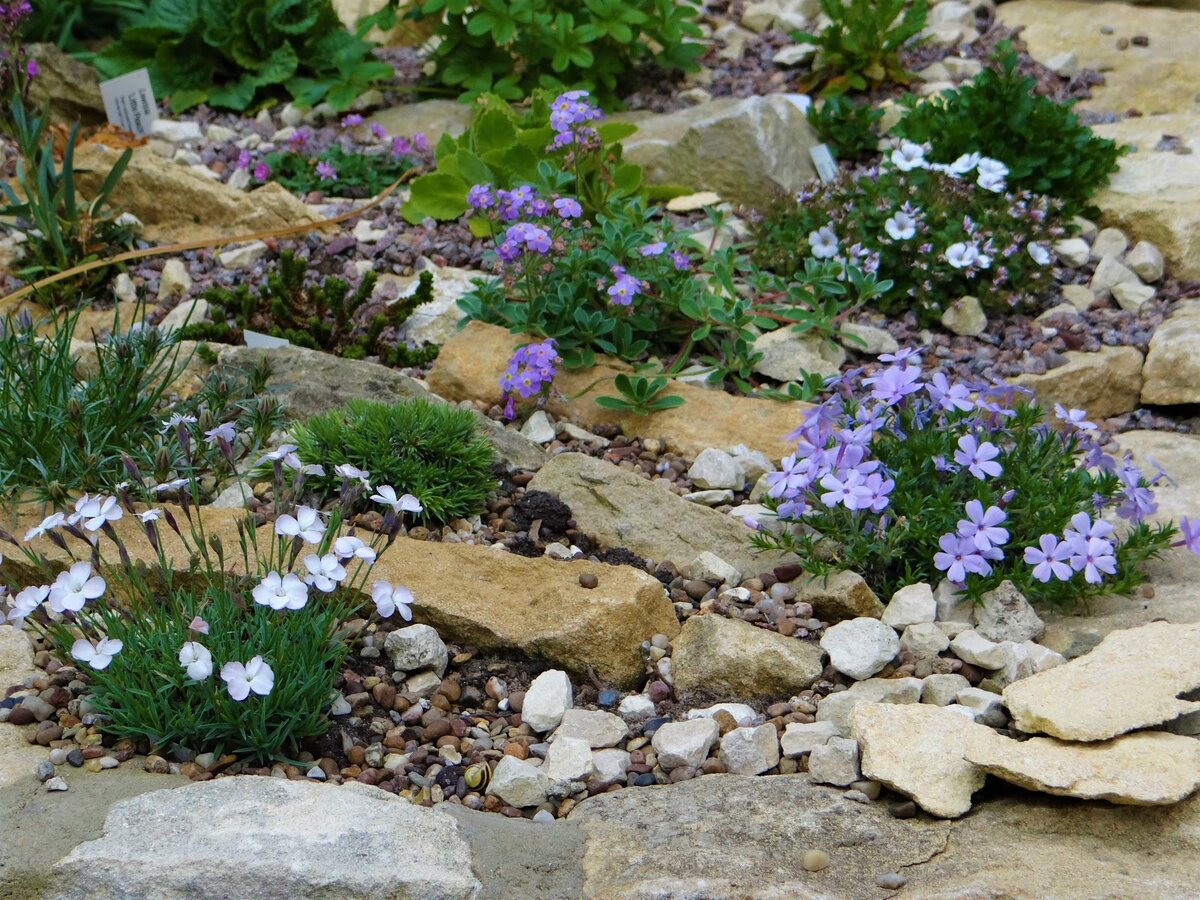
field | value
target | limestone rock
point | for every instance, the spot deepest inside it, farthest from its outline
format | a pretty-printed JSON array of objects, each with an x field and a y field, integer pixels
[
  {"x": 786, "y": 355},
  {"x": 724, "y": 657},
  {"x": 750, "y": 751},
  {"x": 1132, "y": 295},
  {"x": 471, "y": 362},
  {"x": 1148, "y": 667},
  {"x": 942, "y": 690},
  {"x": 838, "y": 709},
  {"x": 1074, "y": 252},
  {"x": 835, "y": 762},
  {"x": 867, "y": 339},
  {"x": 310, "y": 382},
  {"x": 747, "y": 150},
  {"x": 924, "y": 640},
  {"x": 1080, "y": 296},
  {"x": 887, "y": 690},
  {"x": 519, "y": 783},
  {"x": 917, "y": 749},
  {"x": 1172, "y": 371},
  {"x": 684, "y": 743},
  {"x": 1109, "y": 273},
  {"x": 434, "y": 322},
  {"x": 841, "y": 595},
  {"x": 1003, "y": 614},
  {"x": 610, "y": 765},
  {"x": 711, "y": 568},
  {"x": 433, "y": 118},
  {"x": 1106, "y": 383},
  {"x": 416, "y": 647},
  {"x": 270, "y": 839},
  {"x": 599, "y": 728},
  {"x": 860, "y": 647},
  {"x": 911, "y": 605},
  {"x": 1109, "y": 242},
  {"x": 965, "y": 317},
  {"x": 547, "y": 701},
  {"x": 175, "y": 281},
  {"x": 176, "y": 204},
  {"x": 623, "y": 509},
  {"x": 801, "y": 737},
  {"x": 70, "y": 88},
  {"x": 1149, "y": 768},
  {"x": 569, "y": 759},
  {"x": 988, "y": 707},
  {"x": 538, "y": 428},
  {"x": 1146, "y": 261},
  {"x": 717, "y": 470}
]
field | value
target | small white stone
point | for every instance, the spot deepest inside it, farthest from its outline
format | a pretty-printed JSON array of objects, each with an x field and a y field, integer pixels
[
  {"x": 291, "y": 115},
  {"x": 1109, "y": 242},
  {"x": 684, "y": 743},
  {"x": 57, "y": 783},
  {"x": 965, "y": 316},
  {"x": 636, "y": 707},
  {"x": 741, "y": 712},
  {"x": 610, "y": 765},
  {"x": 538, "y": 428},
  {"x": 1146, "y": 261},
  {"x": 1108, "y": 273},
  {"x": 519, "y": 783},
  {"x": 750, "y": 751},
  {"x": 244, "y": 256},
  {"x": 888, "y": 690},
  {"x": 952, "y": 604},
  {"x": 717, "y": 470},
  {"x": 239, "y": 180},
  {"x": 547, "y": 701},
  {"x": 709, "y": 498},
  {"x": 924, "y": 640},
  {"x": 911, "y": 605},
  {"x": 124, "y": 289},
  {"x": 755, "y": 464},
  {"x": 835, "y": 762},
  {"x": 965, "y": 711},
  {"x": 219, "y": 134},
  {"x": 1075, "y": 252},
  {"x": 184, "y": 314},
  {"x": 974, "y": 648},
  {"x": 424, "y": 683},
  {"x": 710, "y": 567},
  {"x": 569, "y": 759},
  {"x": 174, "y": 281},
  {"x": 175, "y": 132},
  {"x": 801, "y": 737},
  {"x": 599, "y": 728},
  {"x": 860, "y": 647},
  {"x": 1064, "y": 65},
  {"x": 941, "y": 690},
  {"x": 1043, "y": 658},
  {"x": 187, "y": 157},
  {"x": 365, "y": 233},
  {"x": 838, "y": 710},
  {"x": 1079, "y": 296},
  {"x": 417, "y": 647},
  {"x": 1131, "y": 295}
]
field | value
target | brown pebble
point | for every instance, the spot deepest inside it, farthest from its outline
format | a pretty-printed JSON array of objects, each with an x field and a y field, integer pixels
[
  {"x": 514, "y": 748},
  {"x": 357, "y": 755},
  {"x": 588, "y": 580},
  {"x": 47, "y": 732},
  {"x": 1140, "y": 40},
  {"x": 682, "y": 773},
  {"x": 20, "y": 716},
  {"x": 437, "y": 729},
  {"x": 725, "y": 721},
  {"x": 516, "y": 701},
  {"x": 450, "y": 689},
  {"x": 1123, "y": 43},
  {"x": 905, "y": 809},
  {"x": 156, "y": 765},
  {"x": 384, "y": 694},
  {"x": 712, "y": 766}
]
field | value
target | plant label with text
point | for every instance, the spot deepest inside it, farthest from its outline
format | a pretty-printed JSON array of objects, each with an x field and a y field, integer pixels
[{"x": 129, "y": 101}]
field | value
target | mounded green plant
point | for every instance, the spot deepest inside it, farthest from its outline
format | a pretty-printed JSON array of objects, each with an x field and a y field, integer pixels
[
  {"x": 325, "y": 316},
  {"x": 359, "y": 175},
  {"x": 508, "y": 49},
  {"x": 431, "y": 450},
  {"x": 848, "y": 128},
  {"x": 233, "y": 54},
  {"x": 506, "y": 148},
  {"x": 859, "y": 49},
  {"x": 66, "y": 421},
  {"x": 1043, "y": 143}
]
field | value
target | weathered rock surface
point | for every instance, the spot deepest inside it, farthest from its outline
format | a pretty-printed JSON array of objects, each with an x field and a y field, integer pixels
[
  {"x": 178, "y": 204},
  {"x": 310, "y": 382},
  {"x": 729, "y": 659},
  {"x": 1172, "y": 370},
  {"x": 70, "y": 88},
  {"x": 335, "y": 846},
  {"x": 434, "y": 322},
  {"x": 838, "y": 596},
  {"x": 433, "y": 118},
  {"x": 1147, "y": 668},
  {"x": 684, "y": 743},
  {"x": 1105, "y": 383},
  {"x": 470, "y": 364},
  {"x": 917, "y": 749},
  {"x": 786, "y": 354},
  {"x": 860, "y": 647},
  {"x": 747, "y": 150},
  {"x": 1003, "y": 614},
  {"x": 625, "y": 509},
  {"x": 1149, "y": 768}
]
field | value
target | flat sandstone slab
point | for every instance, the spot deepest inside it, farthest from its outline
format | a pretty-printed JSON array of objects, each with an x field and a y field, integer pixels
[
  {"x": 1150, "y": 768},
  {"x": 1133, "y": 679}
]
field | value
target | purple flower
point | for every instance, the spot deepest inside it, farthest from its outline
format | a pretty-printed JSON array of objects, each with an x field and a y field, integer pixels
[
  {"x": 570, "y": 109},
  {"x": 31, "y": 69},
  {"x": 902, "y": 355},
  {"x": 894, "y": 384},
  {"x": 244, "y": 159},
  {"x": 1091, "y": 557},
  {"x": 420, "y": 142},
  {"x": 1083, "y": 528},
  {"x": 848, "y": 490},
  {"x": 624, "y": 288},
  {"x": 1075, "y": 417},
  {"x": 981, "y": 526},
  {"x": 538, "y": 240},
  {"x": 298, "y": 141},
  {"x": 1191, "y": 535},
  {"x": 353, "y": 120},
  {"x": 655, "y": 249},
  {"x": 1050, "y": 560},
  {"x": 326, "y": 170},
  {"x": 880, "y": 488},
  {"x": 949, "y": 396},
  {"x": 530, "y": 370},
  {"x": 680, "y": 261},
  {"x": 400, "y": 146},
  {"x": 378, "y": 131},
  {"x": 958, "y": 557},
  {"x": 261, "y": 172},
  {"x": 568, "y": 208},
  {"x": 1136, "y": 504},
  {"x": 978, "y": 458},
  {"x": 480, "y": 196}
]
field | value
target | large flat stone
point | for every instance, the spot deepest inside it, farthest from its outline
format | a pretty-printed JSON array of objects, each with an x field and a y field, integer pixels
[
  {"x": 1105, "y": 383},
  {"x": 225, "y": 838},
  {"x": 470, "y": 364},
  {"x": 1150, "y": 768},
  {"x": 728, "y": 659},
  {"x": 625, "y": 509},
  {"x": 1133, "y": 679},
  {"x": 1153, "y": 79},
  {"x": 1172, "y": 371},
  {"x": 917, "y": 749}
]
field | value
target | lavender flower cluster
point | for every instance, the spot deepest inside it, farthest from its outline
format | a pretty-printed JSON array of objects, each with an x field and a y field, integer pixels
[
  {"x": 299, "y": 140},
  {"x": 529, "y": 373},
  {"x": 834, "y": 468}
]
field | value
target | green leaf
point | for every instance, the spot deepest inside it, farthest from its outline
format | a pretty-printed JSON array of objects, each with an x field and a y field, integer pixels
[{"x": 442, "y": 196}]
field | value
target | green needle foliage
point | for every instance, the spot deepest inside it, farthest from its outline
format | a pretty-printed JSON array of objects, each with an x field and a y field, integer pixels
[
  {"x": 324, "y": 316},
  {"x": 430, "y": 450}
]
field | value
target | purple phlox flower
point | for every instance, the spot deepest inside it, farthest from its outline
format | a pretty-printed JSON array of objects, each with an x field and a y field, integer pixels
[
  {"x": 856, "y": 437},
  {"x": 400, "y": 146},
  {"x": 949, "y": 396},
  {"x": 1082, "y": 528},
  {"x": 1190, "y": 531},
  {"x": 508, "y": 251},
  {"x": 530, "y": 369},
  {"x": 792, "y": 509},
  {"x": 958, "y": 557},
  {"x": 977, "y": 458},
  {"x": 244, "y": 159},
  {"x": 880, "y": 488},
  {"x": 1076, "y": 418},
  {"x": 568, "y": 208},
  {"x": 1136, "y": 504},
  {"x": 793, "y": 478},
  {"x": 378, "y": 131},
  {"x": 680, "y": 261},
  {"x": 261, "y": 171},
  {"x": 420, "y": 142},
  {"x": 326, "y": 170},
  {"x": 1160, "y": 474},
  {"x": 894, "y": 384},
  {"x": 655, "y": 249},
  {"x": 570, "y": 109},
  {"x": 480, "y": 196},
  {"x": 1093, "y": 557},
  {"x": 850, "y": 490},
  {"x": 353, "y": 120},
  {"x": 539, "y": 208},
  {"x": 1049, "y": 559},
  {"x": 299, "y": 140},
  {"x": 624, "y": 288},
  {"x": 903, "y": 355},
  {"x": 981, "y": 526}
]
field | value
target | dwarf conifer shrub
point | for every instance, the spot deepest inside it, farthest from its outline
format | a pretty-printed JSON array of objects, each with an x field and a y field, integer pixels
[{"x": 431, "y": 450}]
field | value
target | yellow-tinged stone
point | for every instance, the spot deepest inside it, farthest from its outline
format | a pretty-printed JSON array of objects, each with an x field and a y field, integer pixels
[
  {"x": 1105, "y": 383},
  {"x": 470, "y": 364}
]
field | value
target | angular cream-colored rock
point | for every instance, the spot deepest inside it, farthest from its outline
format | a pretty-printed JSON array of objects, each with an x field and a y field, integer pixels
[
  {"x": 68, "y": 87},
  {"x": 625, "y": 509},
  {"x": 1109, "y": 242},
  {"x": 729, "y": 659},
  {"x": 965, "y": 317},
  {"x": 1155, "y": 195},
  {"x": 1146, "y": 260},
  {"x": 470, "y": 364},
  {"x": 1150, "y": 768},
  {"x": 433, "y": 118},
  {"x": 1106, "y": 383},
  {"x": 1172, "y": 371},
  {"x": 474, "y": 595},
  {"x": 1159, "y": 78},
  {"x": 1133, "y": 679},
  {"x": 1110, "y": 273},
  {"x": 1079, "y": 296},
  {"x": 1131, "y": 296},
  {"x": 917, "y": 749},
  {"x": 838, "y": 596},
  {"x": 176, "y": 204},
  {"x": 786, "y": 355}
]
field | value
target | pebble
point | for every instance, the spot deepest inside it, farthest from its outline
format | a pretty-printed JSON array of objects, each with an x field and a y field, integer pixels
[
  {"x": 892, "y": 881},
  {"x": 814, "y": 860},
  {"x": 75, "y": 758},
  {"x": 45, "y": 771},
  {"x": 588, "y": 580},
  {"x": 58, "y": 756},
  {"x": 905, "y": 809},
  {"x": 56, "y": 784}
]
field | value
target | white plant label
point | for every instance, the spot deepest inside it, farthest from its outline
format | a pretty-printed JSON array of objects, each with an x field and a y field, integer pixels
[
  {"x": 827, "y": 168},
  {"x": 129, "y": 101}
]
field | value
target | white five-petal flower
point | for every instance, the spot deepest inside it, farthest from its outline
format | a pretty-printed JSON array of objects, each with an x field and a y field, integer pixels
[
  {"x": 26, "y": 602},
  {"x": 1040, "y": 254},
  {"x": 47, "y": 524},
  {"x": 255, "y": 676},
  {"x": 306, "y": 525},
  {"x": 98, "y": 655},
  {"x": 389, "y": 600},
  {"x": 197, "y": 660},
  {"x": 325, "y": 573},
  {"x": 351, "y": 547},
  {"x": 386, "y": 496},
  {"x": 900, "y": 226},
  {"x": 909, "y": 156},
  {"x": 824, "y": 242},
  {"x": 75, "y": 587},
  {"x": 281, "y": 592}
]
